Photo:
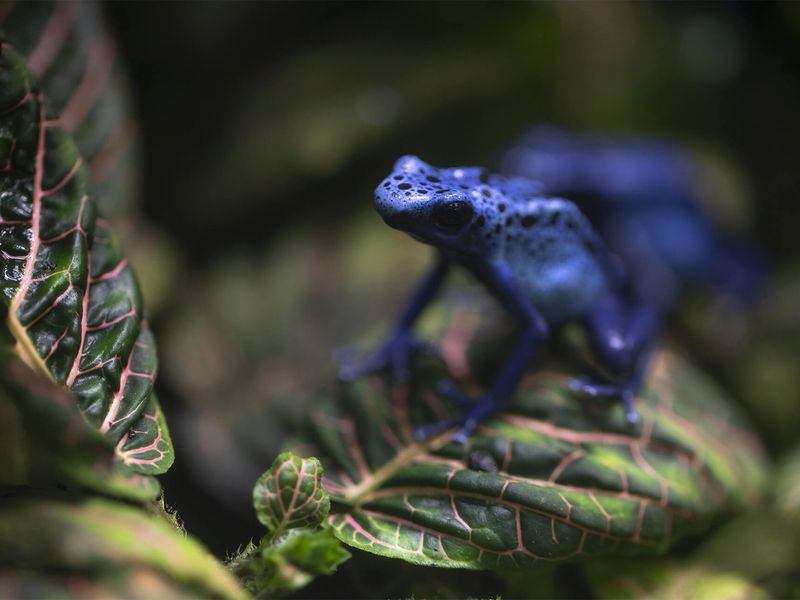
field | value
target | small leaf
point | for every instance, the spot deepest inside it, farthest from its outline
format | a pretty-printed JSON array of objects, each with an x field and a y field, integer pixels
[
  {"x": 301, "y": 556},
  {"x": 554, "y": 477},
  {"x": 290, "y": 494},
  {"x": 291, "y": 563},
  {"x": 74, "y": 307}
]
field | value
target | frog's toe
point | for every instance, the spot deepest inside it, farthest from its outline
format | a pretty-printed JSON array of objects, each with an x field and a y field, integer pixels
[
  {"x": 624, "y": 392},
  {"x": 591, "y": 388},
  {"x": 628, "y": 396},
  {"x": 468, "y": 422}
]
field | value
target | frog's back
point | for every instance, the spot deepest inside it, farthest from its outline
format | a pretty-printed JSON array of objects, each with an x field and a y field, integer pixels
[
  {"x": 557, "y": 257},
  {"x": 616, "y": 169},
  {"x": 627, "y": 187}
]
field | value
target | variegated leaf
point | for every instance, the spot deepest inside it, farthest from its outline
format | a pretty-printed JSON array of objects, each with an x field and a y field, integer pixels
[
  {"x": 554, "y": 477},
  {"x": 74, "y": 307},
  {"x": 290, "y": 494}
]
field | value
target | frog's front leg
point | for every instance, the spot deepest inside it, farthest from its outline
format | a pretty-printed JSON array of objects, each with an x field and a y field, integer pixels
[
  {"x": 623, "y": 335},
  {"x": 394, "y": 354},
  {"x": 499, "y": 278}
]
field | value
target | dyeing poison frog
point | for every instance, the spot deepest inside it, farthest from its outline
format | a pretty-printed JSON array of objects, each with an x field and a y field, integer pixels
[
  {"x": 538, "y": 255},
  {"x": 614, "y": 257}
]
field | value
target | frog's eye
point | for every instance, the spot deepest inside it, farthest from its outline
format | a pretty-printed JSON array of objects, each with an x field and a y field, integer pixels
[{"x": 452, "y": 216}]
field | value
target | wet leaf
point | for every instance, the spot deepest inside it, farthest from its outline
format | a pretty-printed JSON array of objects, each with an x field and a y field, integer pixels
[
  {"x": 74, "y": 307},
  {"x": 97, "y": 539},
  {"x": 554, "y": 477},
  {"x": 290, "y": 494}
]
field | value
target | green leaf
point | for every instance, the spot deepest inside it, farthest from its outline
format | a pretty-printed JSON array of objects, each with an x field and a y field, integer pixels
[
  {"x": 669, "y": 580},
  {"x": 69, "y": 50},
  {"x": 57, "y": 446},
  {"x": 290, "y": 501},
  {"x": 302, "y": 556},
  {"x": 147, "y": 446},
  {"x": 98, "y": 540},
  {"x": 291, "y": 563},
  {"x": 146, "y": 582},
  {"x": 290, "y": 494},
  {"x": 554, "y": 477},
  {"x": 74, "y": 307},
  {"x": 787, "y": 488}
]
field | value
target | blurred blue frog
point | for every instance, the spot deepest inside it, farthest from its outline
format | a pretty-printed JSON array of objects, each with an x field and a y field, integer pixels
[
  {"x": 642, "y": 197},
  {"x": 603, "y": 232}
]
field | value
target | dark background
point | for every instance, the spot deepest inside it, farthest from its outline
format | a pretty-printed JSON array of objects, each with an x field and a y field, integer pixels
[{"x": 266, "y": 126}]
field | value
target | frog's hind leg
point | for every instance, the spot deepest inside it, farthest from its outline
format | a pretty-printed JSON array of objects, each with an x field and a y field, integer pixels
[{"x": 623, "y": 335}]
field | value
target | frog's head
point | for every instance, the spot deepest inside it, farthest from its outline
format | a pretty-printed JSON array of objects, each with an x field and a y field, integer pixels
[{"x": 460, "y": 209}]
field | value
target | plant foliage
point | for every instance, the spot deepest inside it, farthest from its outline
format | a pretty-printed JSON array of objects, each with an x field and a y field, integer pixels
[
  {"x": 555, "y": 477},
  {"x": 98, "y": 542},
  {"x": 291, "y": 503},
  {"x": 73, "y": 305}
]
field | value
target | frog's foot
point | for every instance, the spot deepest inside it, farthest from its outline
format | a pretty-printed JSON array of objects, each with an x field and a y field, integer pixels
[
  {"x": 475, "y": 412},
  {"x": 626, "y": 392},
  {"x": 394, "y": 356}
]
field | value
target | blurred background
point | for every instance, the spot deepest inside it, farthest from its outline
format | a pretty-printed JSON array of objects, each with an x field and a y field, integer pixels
[{"x": 266, "y": 126}]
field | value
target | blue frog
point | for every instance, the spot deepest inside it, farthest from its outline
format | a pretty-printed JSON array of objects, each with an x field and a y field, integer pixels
[
  {"x": 642, "y": 197},
  {"x": 538, "y": 255}
]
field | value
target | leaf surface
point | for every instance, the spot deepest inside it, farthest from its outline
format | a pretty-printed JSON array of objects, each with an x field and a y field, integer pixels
[
  {"x": 554, "y": 477},
  {"x": 71, "y": 53},
  {"x": 98, "y": 539},
  {"x": 670, "y": 580},
  {"x": 787, "y": 488},
  {"x": 290, "y": 494},
  {"x": 74, "y": 306},
  {"x": 57, "y": 446}
]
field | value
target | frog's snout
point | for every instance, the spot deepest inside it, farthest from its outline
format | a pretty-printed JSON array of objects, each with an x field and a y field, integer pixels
[{"x": 397, "y": 209}]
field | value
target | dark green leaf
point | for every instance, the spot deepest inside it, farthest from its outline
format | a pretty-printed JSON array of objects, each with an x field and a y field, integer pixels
[
  {"x": 290, "y": 494},
  {"x": 552, "y": 478},
  {"x": 74, "y": 307}
]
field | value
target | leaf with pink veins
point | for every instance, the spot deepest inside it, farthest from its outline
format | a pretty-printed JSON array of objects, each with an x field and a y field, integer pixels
[
  {"x": 74, "y": 306},
  {"x": 552, "y": 477},
  {"x": 290, "y": 494}
]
